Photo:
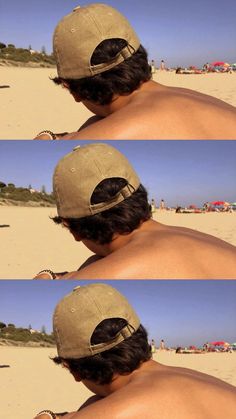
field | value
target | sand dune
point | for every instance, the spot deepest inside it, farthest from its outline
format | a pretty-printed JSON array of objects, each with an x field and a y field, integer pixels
[
  {"x": 33, "y": 103},
  {"x": 33, "y": 382},
  {"x": 33, "y": 242}
]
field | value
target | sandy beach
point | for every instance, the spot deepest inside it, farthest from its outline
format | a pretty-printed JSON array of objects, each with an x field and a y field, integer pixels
[
  {"x": 33, "y": 383},
  {"x": 33, "y": 242},
  {"x": 33, "y": 103}
]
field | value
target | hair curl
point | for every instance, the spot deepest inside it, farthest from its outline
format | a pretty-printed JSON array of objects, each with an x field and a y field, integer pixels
[
  {"x": 124, "y": 358},
  {"x": 122, "y": 79},
  {"x": 123, "y": 218}
]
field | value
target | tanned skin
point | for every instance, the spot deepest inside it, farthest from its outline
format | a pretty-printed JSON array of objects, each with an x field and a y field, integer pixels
[
  {"x": 158, "y": 251},
  {"x": 158, "y": 112},
  {"x": 155, "y": 391}
]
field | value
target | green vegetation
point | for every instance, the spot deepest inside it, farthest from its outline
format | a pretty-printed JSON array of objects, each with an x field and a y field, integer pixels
[
  {"x": 24, "y": 56},
  {"x": 19, "y": 334},
  {"x": 24, "y": 195}
]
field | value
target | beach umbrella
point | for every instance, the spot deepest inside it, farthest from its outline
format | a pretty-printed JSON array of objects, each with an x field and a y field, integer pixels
[
  {"x": 220, "y": 343},
  {"x": 218, "y": 203},
  {"x": 192, "y": 206},
  {"x": 219, "y": 64}
]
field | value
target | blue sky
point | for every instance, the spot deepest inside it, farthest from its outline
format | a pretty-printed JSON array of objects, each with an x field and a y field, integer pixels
[
  {"x": 180, "y": 172},
  {"x": 180, "y": 312},
  {"x": 181, "y": 32}
]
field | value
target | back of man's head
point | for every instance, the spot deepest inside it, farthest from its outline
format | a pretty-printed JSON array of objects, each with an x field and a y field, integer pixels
[
  {"x": 98, "y": 193},
  {"x": 99, "y": 55},
  {"x": 78, "y": 34},
  {"x": 78, "y": 314},
  {"x": 78, "y": 174},
  {"x": 98, "y": 333}
]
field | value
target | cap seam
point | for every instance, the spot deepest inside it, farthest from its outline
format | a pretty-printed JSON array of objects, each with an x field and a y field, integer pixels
[{"x": 92, "y": 300}]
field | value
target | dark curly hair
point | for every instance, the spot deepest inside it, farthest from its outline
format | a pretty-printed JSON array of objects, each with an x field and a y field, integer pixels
[
  {"x": 123, "y": 218},
  {"x": 122, "y": 79},
  {"x": 124, "y": 358}
]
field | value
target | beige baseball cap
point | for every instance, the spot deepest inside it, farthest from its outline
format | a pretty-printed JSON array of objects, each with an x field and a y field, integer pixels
[
  {"x": 79, "y": 172},
  {"x": 78, "y": 314},
  {"x": 78, "y": 34}
]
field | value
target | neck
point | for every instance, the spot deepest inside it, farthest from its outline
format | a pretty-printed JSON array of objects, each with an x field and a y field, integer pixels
[
  {"x": 120, "y": 240},
  {"x": 118, "y": 101},
  {"x": 119, "y": 381}
]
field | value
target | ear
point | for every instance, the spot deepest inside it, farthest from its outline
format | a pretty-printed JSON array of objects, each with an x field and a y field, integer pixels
[
  {"x": 66, "y": 85},
  {"x": 65, "y": 223},
  {"x": 65, "y": 364}
]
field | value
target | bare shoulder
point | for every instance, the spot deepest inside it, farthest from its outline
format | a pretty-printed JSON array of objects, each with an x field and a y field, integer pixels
[
  {"x": 192, "y": 254},
  {"x": 90, "y": 122},
  {"x": 147, "y": 399},
  {"x": 109, "y": 407},
  {"x": 163, "y": 117},
  {"x": 110, "y": 127},
  {"x": 109, "y": 267},
  {"x": 89, "y": 261}
]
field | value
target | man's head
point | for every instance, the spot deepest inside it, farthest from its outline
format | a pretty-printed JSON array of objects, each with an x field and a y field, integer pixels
[
  {"x": 98, "y": 193},
  {"x": 98, "y": 54},
  {"x": 98, "y": 334},
  {"x": 78, "y": 34}
]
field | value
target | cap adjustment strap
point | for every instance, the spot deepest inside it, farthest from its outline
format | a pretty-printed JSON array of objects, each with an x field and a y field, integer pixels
[
  {"x": 124, "y": 193},
  {"x": 123, "y": 334},
  {"x": 125, "y": 53}
]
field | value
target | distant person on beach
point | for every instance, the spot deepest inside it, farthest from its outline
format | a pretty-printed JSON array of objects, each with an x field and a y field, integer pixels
[
  {"x": 111, "y": 356},
  {"x": 153, "y": 346},
  {"x": 153, "y": 206},
  {"x": 162, "y": 345},
  {"x": 162, "y": 66},
  {"x": 101, "y": 201},
  {"x": 206, "y": 67},
  {"x": 102, "y": 63},
  {"x": 153, "y": 67},
  {"x": 178, "y": 209},
  {"x": 206, "y": 206},
  {"x": 162, "y": 204},
  {"x": 206, "y": 346}
]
